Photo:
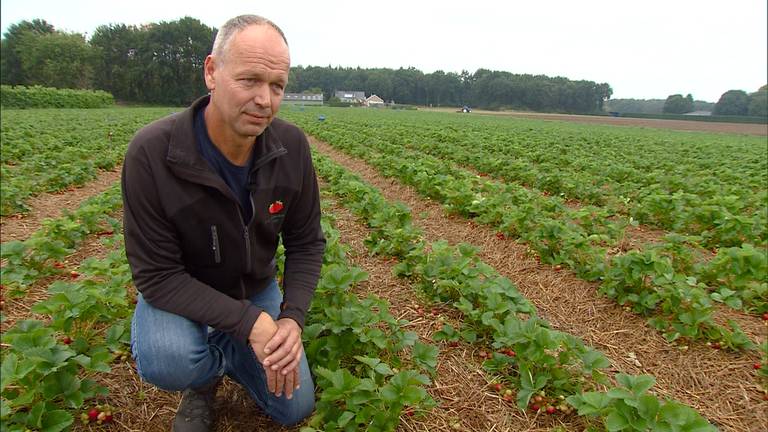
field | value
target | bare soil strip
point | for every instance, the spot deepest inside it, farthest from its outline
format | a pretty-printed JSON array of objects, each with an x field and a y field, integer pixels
[
  {"x": 51, "y": 205},
  {"x": 681, "y": 125},
  {"x": 720, "y": 385}
]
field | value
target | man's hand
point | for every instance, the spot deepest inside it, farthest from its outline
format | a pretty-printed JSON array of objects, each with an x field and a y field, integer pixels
[
  {"x": 277, "y": 345},
  {"x": 285, "y": 350}
]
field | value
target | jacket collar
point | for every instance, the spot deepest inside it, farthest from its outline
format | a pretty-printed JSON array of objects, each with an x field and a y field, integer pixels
[{"x": 182, "y": 148}]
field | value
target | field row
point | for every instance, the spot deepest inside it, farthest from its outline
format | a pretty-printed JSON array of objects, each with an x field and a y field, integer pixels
[
  {"x": 710, "y": 186},
  {"x": 345, "y": 330},
  {"x": 48, "y": 150}
]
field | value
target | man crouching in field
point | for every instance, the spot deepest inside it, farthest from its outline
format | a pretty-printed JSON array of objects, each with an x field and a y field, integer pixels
[{"x": 206, "y": 194}]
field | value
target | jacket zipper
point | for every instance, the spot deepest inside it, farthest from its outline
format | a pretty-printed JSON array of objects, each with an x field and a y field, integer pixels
[
  {"x": 215, "y": 244},
  {"x": 247, "y": 238}
]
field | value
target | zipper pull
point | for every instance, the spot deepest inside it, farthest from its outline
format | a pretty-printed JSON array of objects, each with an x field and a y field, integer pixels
[{"x": 215, "y": 245}]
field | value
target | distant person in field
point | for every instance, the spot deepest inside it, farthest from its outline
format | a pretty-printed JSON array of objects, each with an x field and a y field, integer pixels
[{"x": 206, "y": 194}]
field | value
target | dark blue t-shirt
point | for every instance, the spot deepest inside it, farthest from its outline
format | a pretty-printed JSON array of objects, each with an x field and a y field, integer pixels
[{"x": 235, "y": 176}]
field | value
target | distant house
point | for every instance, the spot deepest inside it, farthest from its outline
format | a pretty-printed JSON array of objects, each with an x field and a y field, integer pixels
[
  {"x": 351, "y": 96},
  {"x": 303, "y": 98},
  {"x": 374, "y": 101}
]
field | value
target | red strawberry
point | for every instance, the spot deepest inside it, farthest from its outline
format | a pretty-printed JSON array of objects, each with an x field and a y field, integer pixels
[
  {"x": 757, "y": 365},
  {"x": 550, "y": 410},
  {"x": 93, "y": 414},
  {"x": 500, "y": 235},
  {"x": 66, "y": 340},
  {"x": 73, "y": 274},
  {"x": 765, "y": 316},
  {"x": 275, "y": 207},
  {"x": 498, "y": 387}
]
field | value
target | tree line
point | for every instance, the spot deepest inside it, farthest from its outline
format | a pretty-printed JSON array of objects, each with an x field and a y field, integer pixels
[
  {"x": 162, "y": 63},
  {"x": 730, "y": 103}
]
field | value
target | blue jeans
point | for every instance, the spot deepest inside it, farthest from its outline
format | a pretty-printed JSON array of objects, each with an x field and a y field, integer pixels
[{"x": 175, "y": 354}]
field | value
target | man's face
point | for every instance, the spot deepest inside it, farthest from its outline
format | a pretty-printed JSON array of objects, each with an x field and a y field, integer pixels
[{"x": 247, "y": 85}]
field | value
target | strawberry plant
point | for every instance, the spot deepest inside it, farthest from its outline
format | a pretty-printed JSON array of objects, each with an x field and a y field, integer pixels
[{"x": 629, "y": 407}]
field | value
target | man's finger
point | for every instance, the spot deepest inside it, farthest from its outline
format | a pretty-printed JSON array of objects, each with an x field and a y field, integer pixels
[
  {"x": 279, "y": 384},
  {"x": 289, "y": 386},
  {"x": 276, "y": 341},
  {"x": 289, "y": 357},
  {"x": 271, "y": 381}
]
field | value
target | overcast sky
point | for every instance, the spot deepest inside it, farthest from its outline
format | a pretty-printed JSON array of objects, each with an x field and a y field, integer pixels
[{"x": 643, "y": 49}]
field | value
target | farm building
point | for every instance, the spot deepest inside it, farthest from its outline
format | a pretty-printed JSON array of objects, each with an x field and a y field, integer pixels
[
  {"x": 303, "y": 98},
  {"x": 351, "y": 96},
  {"x": 374, "y": 101}
]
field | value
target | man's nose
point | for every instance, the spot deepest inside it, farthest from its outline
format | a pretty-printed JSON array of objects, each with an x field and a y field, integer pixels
[{"x": 261, "y": 96}]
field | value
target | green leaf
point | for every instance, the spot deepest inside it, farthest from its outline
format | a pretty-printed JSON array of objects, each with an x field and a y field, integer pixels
[
  {"x": 56, "y": 421},
  {"x": 8, "y": 370},
  {"x": 615, "y": 422},
  {"x": 648, "y": 407},
  {"x": 344, "y": 418},
  {"x": 425, "y": 356}
]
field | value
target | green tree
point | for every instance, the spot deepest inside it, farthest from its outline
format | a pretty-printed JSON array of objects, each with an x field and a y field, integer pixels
[
  {"x": 677, "y": 104},
  {"x": 11, "y": 48},
  {"x": 732, "y": 102},
  {"x": 172, "y": 56},
  {"x": 117, "y": 68},
  {"x": 61, "y": 60},
  {"x": 758, "y": 103}
]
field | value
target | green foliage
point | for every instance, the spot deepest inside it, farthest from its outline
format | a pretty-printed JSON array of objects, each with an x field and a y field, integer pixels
[
  {"x": 54, "y": 150},
  {"x": 47, "y": 97},
  {"x": 662, "y": 284},
  {"x": 11, "y": 65},
  {"x": 629, "y": 407},
  {"x": 677, "y": 104},
  {"x": 758, "y": 103},
  {"x": 732, "y": 102}
]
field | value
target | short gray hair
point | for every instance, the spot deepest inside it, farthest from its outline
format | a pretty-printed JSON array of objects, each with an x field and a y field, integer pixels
[{"x": 236, "y": 25}]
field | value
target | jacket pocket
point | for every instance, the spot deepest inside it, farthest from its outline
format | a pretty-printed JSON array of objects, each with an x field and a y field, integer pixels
[{"x": 215, "y": 245}]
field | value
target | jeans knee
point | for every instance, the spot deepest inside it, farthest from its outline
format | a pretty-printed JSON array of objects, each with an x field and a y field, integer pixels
[
  {"x": 295, "y": 410},
  {"x": 172, "y": 369}
]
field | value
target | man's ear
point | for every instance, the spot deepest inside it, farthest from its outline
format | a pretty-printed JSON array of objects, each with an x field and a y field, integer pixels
[{"x": 209, "y": 67}]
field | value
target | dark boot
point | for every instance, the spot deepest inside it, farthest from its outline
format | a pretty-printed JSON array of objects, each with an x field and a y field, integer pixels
[{"x": 195, "y": 412}]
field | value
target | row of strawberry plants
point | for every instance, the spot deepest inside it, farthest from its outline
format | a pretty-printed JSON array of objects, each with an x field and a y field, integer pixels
[
  {"x": 632, "y": 174},
  {"x": 49, "y": 367},
  {"x": 471, "y": 196},
  {"x": 545, "y": 365},
  {"x": 679, "y": 304},
  {"x": 354, "y": 345},
  {"x": 40, "y": 255},
  {"x": 357, "y": 350},
  {"x": 48, "y": 150}
]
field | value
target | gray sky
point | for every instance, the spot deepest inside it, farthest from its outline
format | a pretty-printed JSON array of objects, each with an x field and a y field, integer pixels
[{"x": 643, "y": 49}]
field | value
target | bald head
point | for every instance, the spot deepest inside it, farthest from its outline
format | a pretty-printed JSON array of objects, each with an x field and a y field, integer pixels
[{"x": 236, "y": 25}]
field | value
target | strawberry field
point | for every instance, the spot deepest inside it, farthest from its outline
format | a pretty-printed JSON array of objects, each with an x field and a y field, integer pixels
[{"x": 481, "y": 274}]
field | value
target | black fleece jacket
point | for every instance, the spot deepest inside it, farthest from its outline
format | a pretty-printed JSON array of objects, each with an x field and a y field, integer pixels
[{"x": 189, "y": 249}]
